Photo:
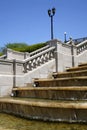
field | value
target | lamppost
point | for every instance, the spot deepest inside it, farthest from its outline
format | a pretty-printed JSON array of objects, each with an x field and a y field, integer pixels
[{"x": 51, "y": 13}]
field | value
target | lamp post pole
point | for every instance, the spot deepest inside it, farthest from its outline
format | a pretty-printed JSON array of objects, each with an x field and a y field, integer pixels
[{"x": 51, "y": 13}]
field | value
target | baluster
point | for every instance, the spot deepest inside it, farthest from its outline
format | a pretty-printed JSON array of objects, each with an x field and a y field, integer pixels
[
  {"x": 38, "y": 61},
  {"x": 25, "y": 67},
  {"x": 34, "y": 63},
  {"x": 52, "y": 54},
  {"x": 86, "y": 46},
  {"x": 46, "y": 57},
  {"x": 49, "y": 55},
  {"x": 30, "y": 66},
  {"x": 77, "y": 51},
  {"x": 42, "y": 59}
]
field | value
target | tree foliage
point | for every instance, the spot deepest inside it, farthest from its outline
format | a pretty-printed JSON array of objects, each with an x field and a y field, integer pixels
[{"x": 23, "y": 47}]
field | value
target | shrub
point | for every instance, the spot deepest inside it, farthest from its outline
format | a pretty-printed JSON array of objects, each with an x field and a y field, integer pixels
[
  {"x": 1, "y": 53},
  {"x": 35, "y": 47},
  {"x": 17, "y": 46},
  {"x": 23, "y": 47}
]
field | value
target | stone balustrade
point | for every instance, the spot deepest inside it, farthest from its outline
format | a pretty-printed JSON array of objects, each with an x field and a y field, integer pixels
[
  {"x": 53, "y": 49},
  {"x": 40, "y": 56},
  {"x": 11, "y": 54},
  {"x": 39, "y": 50},
  {"x": 81, "y": 47},
  {"x": 38, "y": 59},
  {"x": 6, "y": 66},
  {"x": 3, "y": 56}
]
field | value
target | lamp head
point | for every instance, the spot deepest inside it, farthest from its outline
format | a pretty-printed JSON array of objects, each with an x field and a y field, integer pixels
[
  {"x": 65, "y": 33},
  {"x": 49, "y": 12},
  {"x": 53, "y": 11}
]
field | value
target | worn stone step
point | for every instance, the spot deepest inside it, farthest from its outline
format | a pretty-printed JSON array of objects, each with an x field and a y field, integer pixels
[
  {"x": 72, "y": 81},
  {"x": 77, "y": 68},
  {"x": 83, "y": 64},
  {"x": 45, "y": 110},
  {"x": 54, "y": 93},
  {"x": 70, "y": 74}
]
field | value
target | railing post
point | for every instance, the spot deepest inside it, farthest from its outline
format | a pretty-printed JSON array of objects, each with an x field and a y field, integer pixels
[
  {"x": 5, "y": 52},
  {"x": 72, "y": 51},
  {"x": 56, "y": 60},
  {"x": 55, "y": 43},
  {"x": 14, "y": 73},
  {"x": 24, "y": 55}
]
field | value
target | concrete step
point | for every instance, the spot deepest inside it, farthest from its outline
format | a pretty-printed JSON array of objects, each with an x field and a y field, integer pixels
[
  {"x": 70, "y": 74},
  {"x": 53, "y": 93},
  {"x": 77, "y": 68},
  {"x": 50, "y": 110},
  {"x": 83, "y": 64},
  {"x": 72, "y": 81}
]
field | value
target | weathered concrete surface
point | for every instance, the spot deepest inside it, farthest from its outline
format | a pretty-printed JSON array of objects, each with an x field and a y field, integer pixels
[
  {"x": 53, "y": 93},
  {"x": 72, "y": 81},
  {"x": 70, "y": 74},
  {"x": 46, "y": 110},
  {"x": 6, "y": 81},
  {"x": 44, "y": 71},
  {"x": 77, "y": 68},
  {"x": 83, "y": 64}
]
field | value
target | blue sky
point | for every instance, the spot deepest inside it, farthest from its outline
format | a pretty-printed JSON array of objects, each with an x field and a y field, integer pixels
[{"x": 28, "y": 21}]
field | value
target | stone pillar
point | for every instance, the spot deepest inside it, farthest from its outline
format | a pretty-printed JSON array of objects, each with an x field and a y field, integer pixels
[
  {"x": 14, "y": 73},
  {"x": 54, "y": 43},
  {"x": 72, "y": 52}
]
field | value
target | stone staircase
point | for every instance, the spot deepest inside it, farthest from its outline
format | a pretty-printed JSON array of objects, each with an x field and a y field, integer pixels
[
  {"x": 62, "y": 98},
  {"x": 67, "y": 84}
]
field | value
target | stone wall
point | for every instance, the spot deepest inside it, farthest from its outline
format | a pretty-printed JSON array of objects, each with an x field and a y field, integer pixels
[{"x": 11, "y": 54}]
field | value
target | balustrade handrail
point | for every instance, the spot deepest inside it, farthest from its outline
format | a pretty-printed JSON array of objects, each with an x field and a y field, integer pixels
[
  {"x": 35, "y": 56},
  {"x": 28, "y": 59},
  {"x": 6, "y": 60},
  {"x": 39, "y": 50},
  {"x": 3, "y": 56},
  {"x": 14, "y": 51},
  {"x": 81, "y": 47},
  {"x": 81, "y": 44}
]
